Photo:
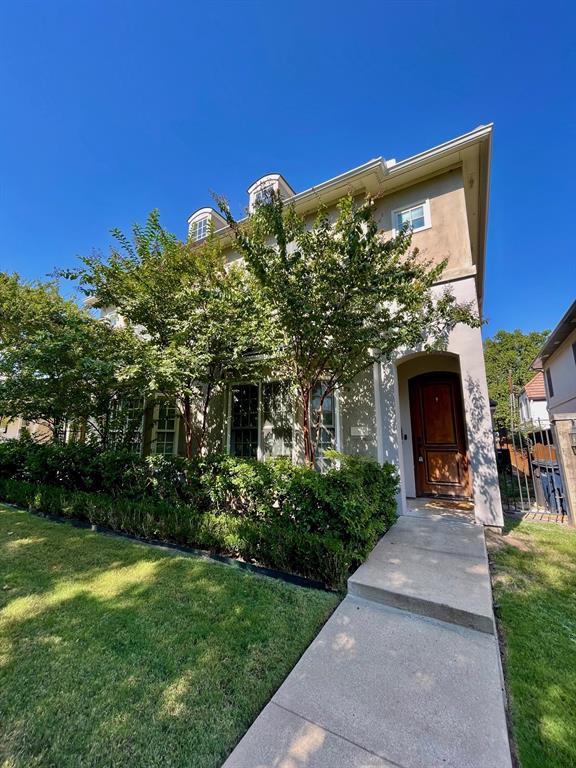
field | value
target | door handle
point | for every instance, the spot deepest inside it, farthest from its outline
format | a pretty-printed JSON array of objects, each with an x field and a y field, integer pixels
[{"x": 421, "y": 459}]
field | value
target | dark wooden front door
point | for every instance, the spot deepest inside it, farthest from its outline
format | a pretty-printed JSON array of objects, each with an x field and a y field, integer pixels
[{"x": 440, "y": 460}]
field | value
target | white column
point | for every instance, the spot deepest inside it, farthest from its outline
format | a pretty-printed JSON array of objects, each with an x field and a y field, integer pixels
[{"x": 466, "y": 342}]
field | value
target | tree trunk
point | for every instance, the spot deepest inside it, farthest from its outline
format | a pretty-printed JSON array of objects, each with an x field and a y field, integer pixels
[
  {"x": 188, "y": 427},
  {"x": 309, "y": 452},
  {"x": 204, "y": 429}
]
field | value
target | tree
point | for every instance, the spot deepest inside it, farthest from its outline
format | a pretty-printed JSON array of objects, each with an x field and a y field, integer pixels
[
  {"x": 342, "y": 295},
  {"x": 509, "y": 357},
  {"x": 199, "y": 318},
  {"x": 58, "y": 364}
]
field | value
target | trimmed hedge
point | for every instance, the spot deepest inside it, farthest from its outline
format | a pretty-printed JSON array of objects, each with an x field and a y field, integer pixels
[{"x": 280, "y": 515}]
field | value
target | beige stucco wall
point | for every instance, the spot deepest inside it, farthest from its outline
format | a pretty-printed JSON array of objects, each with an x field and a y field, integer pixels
[
  {"x": 11, "y": 430},
  {"x": 465, "y": 345},
  {"x": 447, "y": 237},
  {"x": 358, "y": 417}
]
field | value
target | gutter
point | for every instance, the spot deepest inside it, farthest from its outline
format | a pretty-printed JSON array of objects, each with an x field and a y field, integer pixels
[
  {"x": 560, "y": 333},
  {"x": 383, "y": 171}
]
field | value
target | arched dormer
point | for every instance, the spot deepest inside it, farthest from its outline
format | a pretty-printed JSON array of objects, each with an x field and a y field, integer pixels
[
  {"x": 202, "y": 222},
  {"x": 262, "y": 186}
]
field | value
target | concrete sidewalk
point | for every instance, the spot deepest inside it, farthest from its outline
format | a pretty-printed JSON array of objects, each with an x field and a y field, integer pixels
[{"x": 406, "y": 672}]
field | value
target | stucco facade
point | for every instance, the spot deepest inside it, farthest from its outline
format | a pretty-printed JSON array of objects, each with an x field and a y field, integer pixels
[{"x": 446, "y": 190}]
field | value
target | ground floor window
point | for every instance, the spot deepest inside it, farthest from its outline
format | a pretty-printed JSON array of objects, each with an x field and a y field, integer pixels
[
  {"x": 244, "y": 420},
  {"x": 165, "y": 431},
  {"x": 133, "y": 412},
  {"x": 261, "y": 420},
  {"x": 327, "y": 434}
]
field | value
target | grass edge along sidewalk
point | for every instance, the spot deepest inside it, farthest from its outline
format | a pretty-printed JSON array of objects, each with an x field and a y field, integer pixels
[
  {"x": 114, "y": 653},
  {"x": 534, "y": 581}
]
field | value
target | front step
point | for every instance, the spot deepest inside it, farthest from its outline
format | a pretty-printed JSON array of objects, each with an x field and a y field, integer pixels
[{"x": 431, "y": 569}]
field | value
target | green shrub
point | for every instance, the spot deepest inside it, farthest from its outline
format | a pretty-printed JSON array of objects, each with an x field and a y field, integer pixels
[
  {"x": 279, "y": 514},
  {"x": 323, "y": 558}
]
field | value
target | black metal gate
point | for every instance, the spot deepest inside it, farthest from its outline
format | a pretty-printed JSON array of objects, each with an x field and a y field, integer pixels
[{"x": 528, "y": 469}]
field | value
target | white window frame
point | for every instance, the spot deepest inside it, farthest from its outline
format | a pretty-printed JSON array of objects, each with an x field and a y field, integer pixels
[
  {"x": 195, "y": 228},
  {"x": 260, "y": 192},
  {"x": 154, "y": 435},
  {"x": 259, "y": 450},
  {"x": 427, "y": 218},
  {"x": 337, "y": 426}
]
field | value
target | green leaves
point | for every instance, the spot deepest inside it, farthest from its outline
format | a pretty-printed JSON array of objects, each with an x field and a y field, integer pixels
[
  {"x": 197, "y": 316},
  {"x": 340, "y": 294},
  {"x": 510, "y": 354},
  {"x": 58, "y": 364}
]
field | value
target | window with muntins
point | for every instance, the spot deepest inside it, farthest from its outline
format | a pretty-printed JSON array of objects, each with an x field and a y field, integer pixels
[
  {"x": 264, "y": 194},
  {"x": 417, "y": 217},
  {"x": 327, "y": 428},
  {"x": 134, "y": 410},
  {"x": 244, "y": 421},
  {"x": 165, "y": 430},
  {"x": 200, "y": 229}
]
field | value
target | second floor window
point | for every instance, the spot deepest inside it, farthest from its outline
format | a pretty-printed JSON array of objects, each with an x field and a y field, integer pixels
[
  {"x": 549, "y": 382},
  {"x": 417, "y": 217},
  {"x": 200, "y": 229}
]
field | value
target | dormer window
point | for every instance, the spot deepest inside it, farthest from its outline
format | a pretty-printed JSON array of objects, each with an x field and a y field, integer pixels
[
  {"x": 199, "y": 229},
  {"x": 202, "y": 222},
  {"x": 264, "y": 194},
  {"x": 261, "y": 191}
]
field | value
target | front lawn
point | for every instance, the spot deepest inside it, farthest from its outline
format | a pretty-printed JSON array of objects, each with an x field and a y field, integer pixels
[
  {"x": 116, "y": 654},
  {"x": 534, "y": 576}
]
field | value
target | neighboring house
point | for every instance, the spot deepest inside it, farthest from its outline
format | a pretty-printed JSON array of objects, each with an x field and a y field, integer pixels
[
  {"x": 533, "y": 406},
  {"x": 428, "y": 413},
  {"x": 557, "y": 361}
]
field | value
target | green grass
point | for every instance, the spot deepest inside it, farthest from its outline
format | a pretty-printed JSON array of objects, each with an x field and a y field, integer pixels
[
  {"x": 116, "y": 654},
  {"x": 535, "y": 588}
]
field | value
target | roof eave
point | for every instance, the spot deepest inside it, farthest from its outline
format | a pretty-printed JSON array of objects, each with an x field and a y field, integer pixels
[{"x": 560, "y": 333}]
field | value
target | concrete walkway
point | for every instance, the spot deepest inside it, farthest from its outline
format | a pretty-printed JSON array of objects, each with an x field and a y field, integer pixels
[{"x": 406, "y": 673}]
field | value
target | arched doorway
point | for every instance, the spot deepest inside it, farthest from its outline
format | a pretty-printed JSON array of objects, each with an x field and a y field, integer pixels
[{"x": 438, "y": 435}]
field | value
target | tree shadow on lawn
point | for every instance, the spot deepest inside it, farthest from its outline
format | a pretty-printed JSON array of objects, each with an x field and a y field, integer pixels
[
  {"x": 114, "y": 654},
  {"x": 534, "y": 573}
]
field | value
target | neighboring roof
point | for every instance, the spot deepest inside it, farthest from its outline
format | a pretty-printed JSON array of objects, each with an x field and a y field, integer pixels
[
  {"x": 558, "y": 335},
  {"x": 535, "y": 388}
]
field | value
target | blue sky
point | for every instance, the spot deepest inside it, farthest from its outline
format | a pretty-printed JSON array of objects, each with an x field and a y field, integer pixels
[{"x": 110, "y": 109}]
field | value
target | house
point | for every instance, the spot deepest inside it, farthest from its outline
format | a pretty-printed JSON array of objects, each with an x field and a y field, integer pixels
[
  {"x": 428, "y": 413},
  {"x": 532, "y": 404},
  {"x": 557, "y": 362}
]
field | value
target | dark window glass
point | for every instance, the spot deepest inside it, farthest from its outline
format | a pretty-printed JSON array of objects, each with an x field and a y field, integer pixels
[
  {"x": 166, "y": 429},
  {"x": 549, "y": 382},
  {"x": 244, "y": 421},
  {"x": 327, "y": 432}
]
